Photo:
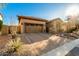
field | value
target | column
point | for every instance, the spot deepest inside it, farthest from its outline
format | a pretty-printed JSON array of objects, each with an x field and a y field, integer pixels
[
  {"x": 44, "y": 27},
  {"x": 23, "y": 25}
]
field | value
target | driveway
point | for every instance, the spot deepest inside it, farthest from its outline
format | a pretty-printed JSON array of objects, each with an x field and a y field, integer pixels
[{"x": 34, "y": 37}]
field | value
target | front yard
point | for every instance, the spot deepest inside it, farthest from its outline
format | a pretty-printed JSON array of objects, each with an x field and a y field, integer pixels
[
  {"x": 3, "y": 40},
  {"x": 34, "y": 43}
]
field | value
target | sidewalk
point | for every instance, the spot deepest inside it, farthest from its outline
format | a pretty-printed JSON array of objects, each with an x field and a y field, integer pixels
[{"x": 63, "y": 50}]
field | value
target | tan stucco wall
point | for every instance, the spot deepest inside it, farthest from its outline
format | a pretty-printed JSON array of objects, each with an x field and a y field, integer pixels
[
  {"x": 4, "y": 29},
  {"x": 13, "y": 28}
]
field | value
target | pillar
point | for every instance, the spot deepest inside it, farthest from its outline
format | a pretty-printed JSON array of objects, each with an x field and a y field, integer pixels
[
  {"x": 44, "y": 27},
  {"x": 23, "y": 28}
]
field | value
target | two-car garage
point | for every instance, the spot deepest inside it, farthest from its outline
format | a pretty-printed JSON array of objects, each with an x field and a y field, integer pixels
[{"x": 31, "y": 24}]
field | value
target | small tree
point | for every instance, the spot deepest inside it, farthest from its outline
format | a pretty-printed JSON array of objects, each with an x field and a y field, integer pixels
[{"x": 1, "y": 23}]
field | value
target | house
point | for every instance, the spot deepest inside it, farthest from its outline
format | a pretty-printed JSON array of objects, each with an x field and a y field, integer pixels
[
  {"x": 55, "y": 25},
  {"x": 29, "y": 24}
]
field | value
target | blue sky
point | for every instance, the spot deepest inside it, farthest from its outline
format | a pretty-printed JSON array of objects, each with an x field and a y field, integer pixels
[{"x": 40, "y": 10}]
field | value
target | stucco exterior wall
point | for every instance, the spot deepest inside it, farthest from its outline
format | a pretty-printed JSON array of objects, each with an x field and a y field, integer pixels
[{"x": 4, "y": 29}]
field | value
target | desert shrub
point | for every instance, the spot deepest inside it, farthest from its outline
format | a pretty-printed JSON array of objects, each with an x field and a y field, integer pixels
[
  {"x": 71, "y": 30},
  {"x": 13, "y": 34},
  {"x": 12, "y": 46}
]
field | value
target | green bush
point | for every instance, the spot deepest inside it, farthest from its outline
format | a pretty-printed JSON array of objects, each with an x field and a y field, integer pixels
[{"x": 1, "y": 23}]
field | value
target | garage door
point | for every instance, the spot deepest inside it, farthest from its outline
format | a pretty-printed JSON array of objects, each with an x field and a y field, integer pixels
[{"x": 34, "y": 28}]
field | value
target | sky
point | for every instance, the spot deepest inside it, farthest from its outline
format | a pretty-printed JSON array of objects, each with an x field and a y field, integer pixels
[{"x": 48, "y": 11}]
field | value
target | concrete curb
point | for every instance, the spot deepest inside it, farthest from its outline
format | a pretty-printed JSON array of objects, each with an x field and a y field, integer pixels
[{"x": 62, "y": 50}]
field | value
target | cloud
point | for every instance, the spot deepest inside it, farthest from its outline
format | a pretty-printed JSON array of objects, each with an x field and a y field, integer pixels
[{"x": 72, "y": 10}]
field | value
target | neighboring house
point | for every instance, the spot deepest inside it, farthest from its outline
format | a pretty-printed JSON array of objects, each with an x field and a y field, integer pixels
[
  {"x": 55, "y": 25},
  {"x": 31, "y": 24}
]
